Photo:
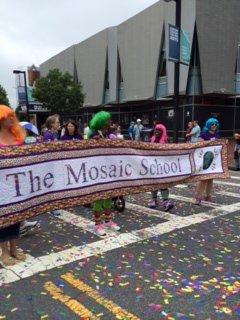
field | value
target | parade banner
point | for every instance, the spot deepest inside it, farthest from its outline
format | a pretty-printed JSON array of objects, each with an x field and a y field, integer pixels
[{"x": 41, "y": 177}]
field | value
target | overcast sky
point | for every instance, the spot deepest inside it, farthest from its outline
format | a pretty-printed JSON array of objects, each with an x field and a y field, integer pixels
[{"x": 31, "y": 31}]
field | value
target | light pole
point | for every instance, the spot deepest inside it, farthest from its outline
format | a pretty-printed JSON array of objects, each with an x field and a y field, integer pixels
[
  {"x": 176, "y": 72},
  {"x": 25, "y": 86}
]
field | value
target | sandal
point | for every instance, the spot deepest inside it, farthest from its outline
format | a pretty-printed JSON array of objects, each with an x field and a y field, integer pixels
[
  {"x": 8, "y": 261},
  {"x": 19, "y": 255}
]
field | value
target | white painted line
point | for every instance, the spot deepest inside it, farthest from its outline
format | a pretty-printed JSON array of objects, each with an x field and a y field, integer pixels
[
  {"x": 151, "y": 212},
  {"x": 235, "y": 177},
  {"x": 181, "y": 186},
  {"x": 229, "y": 194},
  {"x": 192, "y": 200},
  {"x": 37, "y": 265},
  {"x": 81, "y": 222},
  {"x": 223, "y": 183}
]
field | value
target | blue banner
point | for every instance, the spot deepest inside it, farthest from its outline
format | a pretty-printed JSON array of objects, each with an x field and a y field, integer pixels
[{"x": 174, "y": 46}]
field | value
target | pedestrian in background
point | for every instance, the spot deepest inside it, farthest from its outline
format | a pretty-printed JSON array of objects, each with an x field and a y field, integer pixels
[
  {"x": 237, "y": 151},
  {"x": 131, "y": 130},
  {"x": 71, "y": 131},
  {"x": 138, "y": 128},
  {"x": 53, "y": 125},
  {"x": 194, "y": 133},
  {"x": 188, "y": 131}
]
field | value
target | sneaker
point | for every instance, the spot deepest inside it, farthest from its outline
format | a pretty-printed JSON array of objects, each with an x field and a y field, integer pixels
[
  {"x": 99, "y": 230},
  {"x": 26, "y": 226},
  {"x": 152, "y": 204},
  {"x": 198, "y": 201},
  {"x": 168, "y": 205},
  {"x": 55, "y": 213},
  {"x": 112, "y": 226}
]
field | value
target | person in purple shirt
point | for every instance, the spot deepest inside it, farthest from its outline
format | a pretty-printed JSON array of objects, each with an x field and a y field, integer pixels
[
  {"x": 52, "y": 125},
  {"x": 210, "y": 132},
  {"x": 71, "y": 131}
]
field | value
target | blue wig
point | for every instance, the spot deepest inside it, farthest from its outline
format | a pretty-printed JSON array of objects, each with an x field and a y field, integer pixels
[{"x": 210, "y": 122}]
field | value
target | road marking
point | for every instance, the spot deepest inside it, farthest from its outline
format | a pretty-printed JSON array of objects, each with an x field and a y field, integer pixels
[
  {"x": 151, "y": 212},
  {"x": 223, "y": 183},
  {"x": 72, "y": 304},
  {"x": 81, "y": 222},
  {"x": 235, "y": 177},
  {"x": 191, "y": 200},
  {"x": 229, "y": 194},
  {"x": 34, "y": 266},
  {"x": 119, "y": 312}
]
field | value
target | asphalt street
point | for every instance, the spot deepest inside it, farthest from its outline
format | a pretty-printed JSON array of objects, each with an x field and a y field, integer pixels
[{"x": 184, "y": 264}]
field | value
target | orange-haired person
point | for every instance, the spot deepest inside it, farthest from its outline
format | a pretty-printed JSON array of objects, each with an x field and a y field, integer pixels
[{"x": 11, "y": 133}]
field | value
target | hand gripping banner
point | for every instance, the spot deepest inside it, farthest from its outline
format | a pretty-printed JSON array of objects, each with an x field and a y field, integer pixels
[{"x": 41, "y": 177}]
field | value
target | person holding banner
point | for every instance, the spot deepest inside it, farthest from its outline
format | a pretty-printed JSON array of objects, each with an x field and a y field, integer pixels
[
  {"x": 99, "y": 129},
  {"x": 160, "y": 136},
  {"x": 210, "y": 133},
  {"x": 11, "y": 134}
]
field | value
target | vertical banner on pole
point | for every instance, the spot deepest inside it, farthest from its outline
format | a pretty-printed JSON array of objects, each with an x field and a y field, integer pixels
[
  {"x": 174, "y": 48},
  {"x": 185, "y": 49}
]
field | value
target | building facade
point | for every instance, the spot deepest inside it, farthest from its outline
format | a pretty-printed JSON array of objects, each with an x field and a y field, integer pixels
[{"x": 125, "y": 69}]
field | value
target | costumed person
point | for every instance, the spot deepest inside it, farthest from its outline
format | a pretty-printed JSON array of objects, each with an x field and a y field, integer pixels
[
  {"x": 160, "y": 136},
  {"x": 31, "y": 137},
  {"x": 99, "y": 129},
  {"x": 11, "y": 134},
  {"x": 210, "y": 132}
]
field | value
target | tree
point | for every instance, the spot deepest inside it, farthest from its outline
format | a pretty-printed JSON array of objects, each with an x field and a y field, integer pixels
[
  {"x": 59, "y": 93},
  {"x": 3, "y": 97}
]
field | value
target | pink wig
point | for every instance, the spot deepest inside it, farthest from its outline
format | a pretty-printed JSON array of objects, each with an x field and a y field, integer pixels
[{"x": 164, "y": 137}]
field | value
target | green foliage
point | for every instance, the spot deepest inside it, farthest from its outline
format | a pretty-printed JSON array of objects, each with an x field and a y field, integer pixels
[
  {"x": 3, "y": 97},
  {"x": 59, "y": 93}
]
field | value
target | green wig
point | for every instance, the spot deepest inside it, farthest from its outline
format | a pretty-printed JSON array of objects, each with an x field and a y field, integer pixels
[{"x": 99, "y": 121}]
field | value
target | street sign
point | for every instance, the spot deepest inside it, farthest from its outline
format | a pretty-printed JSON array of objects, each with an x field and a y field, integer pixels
[{"x": 174, "y": 48}]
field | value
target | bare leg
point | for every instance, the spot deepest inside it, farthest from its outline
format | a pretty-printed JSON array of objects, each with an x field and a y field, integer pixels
[
  {"x": 209, "y": 187},
  {"x": 14, "y": 252},
  {"x": 201, "y": 187},
  {"x": 7, "y": 260}
]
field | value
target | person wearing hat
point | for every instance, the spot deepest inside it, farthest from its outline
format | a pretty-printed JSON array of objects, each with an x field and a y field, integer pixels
[{"x": 138, "y": 130}]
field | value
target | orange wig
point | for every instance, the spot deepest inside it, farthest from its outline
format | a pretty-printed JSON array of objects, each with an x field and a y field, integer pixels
[{"x": 17, "y": 131}]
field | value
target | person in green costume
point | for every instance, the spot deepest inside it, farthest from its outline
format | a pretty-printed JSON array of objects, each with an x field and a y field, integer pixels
[{"x": 102, "y": 213}]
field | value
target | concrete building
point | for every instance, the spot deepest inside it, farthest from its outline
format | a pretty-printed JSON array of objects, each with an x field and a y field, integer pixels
[{"x": 125, "y": 69}]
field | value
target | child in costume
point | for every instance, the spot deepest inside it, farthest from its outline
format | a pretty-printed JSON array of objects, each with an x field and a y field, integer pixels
[
  {"x": 98, "y": 129},
  {"x": 160, "y": 136},
  {"x": 210, "y": 133}
]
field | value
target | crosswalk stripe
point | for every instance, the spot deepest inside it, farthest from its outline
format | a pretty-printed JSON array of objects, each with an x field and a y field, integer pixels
[
  {"x": 225, "y": 183},
  {"x": 37, "y": 265},
  {"x": 69, "y": 302},
  {"x": 119, "y": 312},
  {"x": 81, "y": 222},
  {"x": 229, "y": 194},
  {"x": 191, "y": 200},
  {"x": 151, "y": 212}
]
